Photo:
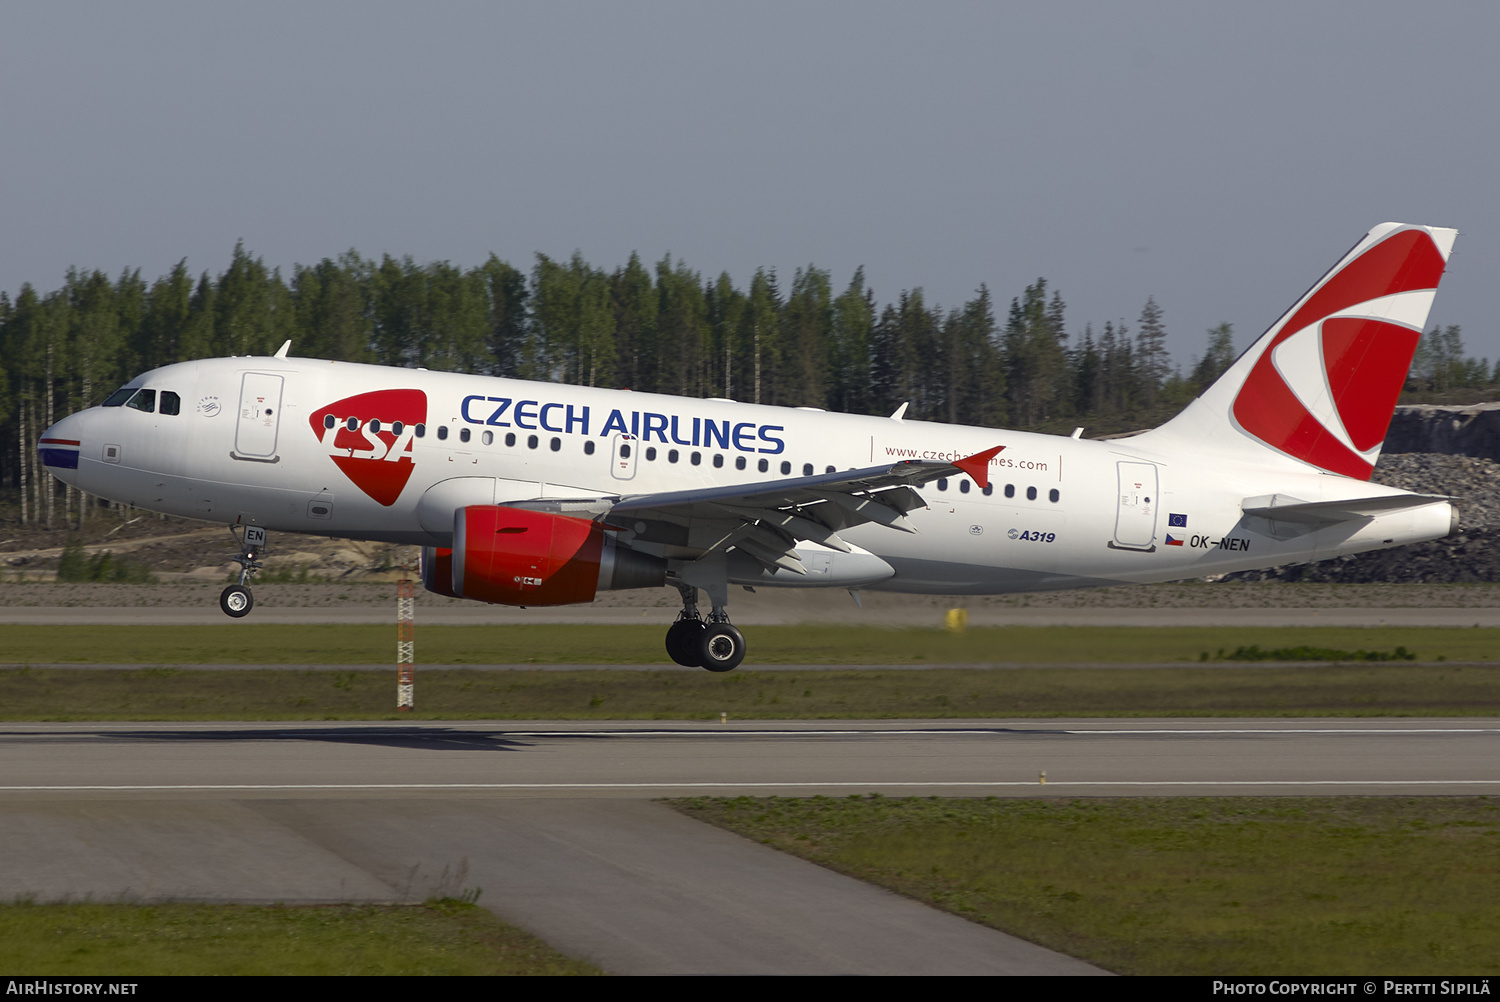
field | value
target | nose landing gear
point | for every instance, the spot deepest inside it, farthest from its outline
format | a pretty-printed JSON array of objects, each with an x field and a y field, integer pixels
[
  {"x": 236, "y": 600},
  {"x": 694, "y": 643}
]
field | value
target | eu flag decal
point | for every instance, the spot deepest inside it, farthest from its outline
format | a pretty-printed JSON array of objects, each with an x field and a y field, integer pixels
[{"x": 1177, "y": 521}]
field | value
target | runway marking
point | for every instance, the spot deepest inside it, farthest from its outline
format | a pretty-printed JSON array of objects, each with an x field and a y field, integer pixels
[
  {"x": 917, "y": 784},
  {"x": 1016, "y": 730},
  {"x": 1009, "y": 729}
]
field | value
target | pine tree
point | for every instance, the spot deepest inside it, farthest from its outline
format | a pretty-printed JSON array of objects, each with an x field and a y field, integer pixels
[
  {"x": 807, "y": 322},
  {"x": 1153, "y": 364},
  {"x": 849, "y": 366},
  {"x": 726, "y": 311},
  {"x": 633, "y": 297},
  {"x": 507, "y": 294},
  {"x": 682, "y": 330},
  {"x": 1035, "y": 356},
  {"x": 762, "y": 337},
  {"x": 1218, "y": 357}
]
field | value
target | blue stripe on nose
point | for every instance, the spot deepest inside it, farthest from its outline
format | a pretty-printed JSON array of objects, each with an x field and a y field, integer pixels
[{"x": 62, "y": 459}]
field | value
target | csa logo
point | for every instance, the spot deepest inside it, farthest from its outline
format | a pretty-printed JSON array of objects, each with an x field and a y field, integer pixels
[
  {"x": 1325, "y": 388},
  {"x": 370, "y": 437}
]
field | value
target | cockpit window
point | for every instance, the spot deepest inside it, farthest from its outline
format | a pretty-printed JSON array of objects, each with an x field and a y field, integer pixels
[
  {"x": 171, "y": 403},
  {"x": 118, "y": 397},
  {"x": 144, "y": 400}
]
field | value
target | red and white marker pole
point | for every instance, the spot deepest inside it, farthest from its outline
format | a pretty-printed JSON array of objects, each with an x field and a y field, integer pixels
[{"x": 406, "y": 645}]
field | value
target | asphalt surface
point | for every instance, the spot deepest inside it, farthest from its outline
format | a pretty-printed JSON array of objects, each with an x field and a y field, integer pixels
[{"x": 554, "y": 823}]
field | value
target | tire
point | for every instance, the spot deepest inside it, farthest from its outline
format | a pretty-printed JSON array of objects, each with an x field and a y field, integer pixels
[
  {"x": 721, "y": 647},
  {"x": 682, "y": 644},
  {"x": 236, "y": 601}
]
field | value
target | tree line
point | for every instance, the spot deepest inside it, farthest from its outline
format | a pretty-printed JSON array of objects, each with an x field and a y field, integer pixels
[{"x": 662, "y": 328}]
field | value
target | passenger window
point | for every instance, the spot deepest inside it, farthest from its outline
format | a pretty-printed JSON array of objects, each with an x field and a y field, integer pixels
[
  {"x": 650, "y": 453},
  {"x": 1031, "y": 494},
  {"x": 786, "y": 467},
  {"x": 421, "y": 430},
  {"x": 943, "y": 484},
  {"x": 1052, "y": 495},
  {"x": 171, "y": 403},
  {"x": 442, "y": 430},
  {"x": 807, "y": 469},
  {"x": 739, "y": 462},
  {"x": 510, "y": 439},
  {"x": 718, "y": 460},
  {"x": 556, "y": 445},
  {"x": 763, "y": 465},
  {"x": 488, "y": 438},
  {"x": 328, "y": 420},
  {"x": 531, "y": 441},
  {"x": 588, "y": 447},
  {"x": 144, "y": 400},
  {"x": 671, "y": 455},
  {"x": 463, "y": 434},
  {"x": 989, "y": 489},
  {"x": 963, "y": 487},
  {"x": 1010, "y": 490},
  {"x": 696, "y": 458}
]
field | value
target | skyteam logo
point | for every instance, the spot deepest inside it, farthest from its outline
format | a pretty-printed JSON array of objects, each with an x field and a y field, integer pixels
[
  {"x": 370, "y": 437},
  {"x": 1324, "y": 389}
]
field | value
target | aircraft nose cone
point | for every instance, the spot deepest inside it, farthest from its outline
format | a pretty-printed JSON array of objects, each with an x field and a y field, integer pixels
[{"x": 60, "y": 444}]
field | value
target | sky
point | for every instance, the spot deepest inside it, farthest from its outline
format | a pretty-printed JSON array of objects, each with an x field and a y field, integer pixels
[{"x": 1218, "y": 157}]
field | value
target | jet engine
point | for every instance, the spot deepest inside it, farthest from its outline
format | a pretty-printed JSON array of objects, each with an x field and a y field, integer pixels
[{"x": 515, "y": 556}]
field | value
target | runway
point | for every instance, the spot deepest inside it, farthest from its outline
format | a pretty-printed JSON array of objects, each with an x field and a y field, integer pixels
[
  {"x": 554, "y": 821},
  {"x": 833, "y": 758}
]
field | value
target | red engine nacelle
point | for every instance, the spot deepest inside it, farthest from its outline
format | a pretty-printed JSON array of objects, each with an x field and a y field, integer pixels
[
  {"x": 437, "y": 570},
  {"x": 513, "y": 556}
]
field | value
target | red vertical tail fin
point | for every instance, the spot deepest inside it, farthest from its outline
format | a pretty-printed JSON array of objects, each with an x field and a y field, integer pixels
[{"x": 1321, "y": 384}]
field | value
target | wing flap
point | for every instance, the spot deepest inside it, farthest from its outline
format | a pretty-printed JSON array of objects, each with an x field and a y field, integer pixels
[{"x": 765, "y": 520}]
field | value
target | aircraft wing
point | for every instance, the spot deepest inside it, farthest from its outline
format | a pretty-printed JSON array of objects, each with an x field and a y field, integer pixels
[{"x": 766, "y": 519}]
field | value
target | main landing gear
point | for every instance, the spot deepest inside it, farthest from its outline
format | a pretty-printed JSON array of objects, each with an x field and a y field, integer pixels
[
  {"x": 236, "y": 600},
  {"x": 715, "y": 644}
]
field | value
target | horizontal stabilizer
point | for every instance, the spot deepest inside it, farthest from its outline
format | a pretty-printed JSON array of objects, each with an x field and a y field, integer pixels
[{"x": 1284, "y": 508}]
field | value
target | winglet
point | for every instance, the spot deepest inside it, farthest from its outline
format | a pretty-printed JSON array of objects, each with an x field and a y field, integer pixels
[{"x": 978, "y": 465}]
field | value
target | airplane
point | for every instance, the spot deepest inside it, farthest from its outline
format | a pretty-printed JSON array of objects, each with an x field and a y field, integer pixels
[{"x": 537, "y": 494}]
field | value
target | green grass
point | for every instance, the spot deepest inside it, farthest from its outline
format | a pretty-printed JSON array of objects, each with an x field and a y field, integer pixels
[
  {"x": 1246, "y": 886},
  {"x": 248, "y": 642},
  {"x": 166, "y": 693},
  {"x": 441, "y": 937}
]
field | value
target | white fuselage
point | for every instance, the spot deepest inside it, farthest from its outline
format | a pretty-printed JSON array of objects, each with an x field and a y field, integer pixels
[{"x": 252, "y": 444}]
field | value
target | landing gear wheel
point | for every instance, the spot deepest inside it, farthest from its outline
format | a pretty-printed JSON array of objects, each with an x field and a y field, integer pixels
[
  {"x": 236, "y": 601},
  {"x": 721, "y": 647},
  {"x": 682, "y": 642}
]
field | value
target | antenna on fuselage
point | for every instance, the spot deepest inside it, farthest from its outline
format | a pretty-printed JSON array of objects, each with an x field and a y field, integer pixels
[{"x": 286, "y": 346}]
